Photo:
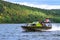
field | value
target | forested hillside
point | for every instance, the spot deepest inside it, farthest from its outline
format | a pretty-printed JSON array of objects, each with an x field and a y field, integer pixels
[{"x": 15, "y": 13}]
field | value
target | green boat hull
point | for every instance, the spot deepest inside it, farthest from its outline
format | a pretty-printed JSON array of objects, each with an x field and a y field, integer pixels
[{"x": 34, "y": 28}]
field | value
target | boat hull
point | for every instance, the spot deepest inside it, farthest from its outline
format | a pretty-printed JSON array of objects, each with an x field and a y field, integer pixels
[{"x": 33, "y": 28}]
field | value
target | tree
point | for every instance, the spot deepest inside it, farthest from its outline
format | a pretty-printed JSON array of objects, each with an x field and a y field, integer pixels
[{"x": 1, "y": 7}]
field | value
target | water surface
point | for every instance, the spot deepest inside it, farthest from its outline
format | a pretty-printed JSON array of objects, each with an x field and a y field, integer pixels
[{"x": 15, "y": 32}]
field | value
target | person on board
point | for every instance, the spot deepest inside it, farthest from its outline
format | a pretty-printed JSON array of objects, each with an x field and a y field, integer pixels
[
  {"x": 46, "y": 22},
  {"x": 38, "y": 24}
]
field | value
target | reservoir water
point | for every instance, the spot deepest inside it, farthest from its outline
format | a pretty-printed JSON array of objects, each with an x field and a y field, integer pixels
[{"x": 15, "y": 32}]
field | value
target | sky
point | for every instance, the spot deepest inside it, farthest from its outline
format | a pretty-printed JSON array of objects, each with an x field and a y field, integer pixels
[{"x": 43, "y": 4}]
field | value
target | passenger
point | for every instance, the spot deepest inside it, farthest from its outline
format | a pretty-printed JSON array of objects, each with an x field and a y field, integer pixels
[
  {"x": 38, "y": 24},
  {"x": 46, "y": 22}
]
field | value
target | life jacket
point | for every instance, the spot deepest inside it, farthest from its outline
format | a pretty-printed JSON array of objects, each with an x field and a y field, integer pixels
[{"x": 38, "y": 24}]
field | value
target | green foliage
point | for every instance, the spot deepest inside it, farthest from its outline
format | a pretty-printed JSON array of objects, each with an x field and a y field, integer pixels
[
  {"x": 1, "y": 8},
  {"x": 15, "y": 13}
]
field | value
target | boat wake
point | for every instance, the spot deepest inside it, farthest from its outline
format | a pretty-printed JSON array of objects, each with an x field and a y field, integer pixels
[{"x": 54, "y": 28}]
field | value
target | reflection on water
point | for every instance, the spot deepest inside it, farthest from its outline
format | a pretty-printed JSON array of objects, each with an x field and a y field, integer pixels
[{"x": 15, "y": 32}]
